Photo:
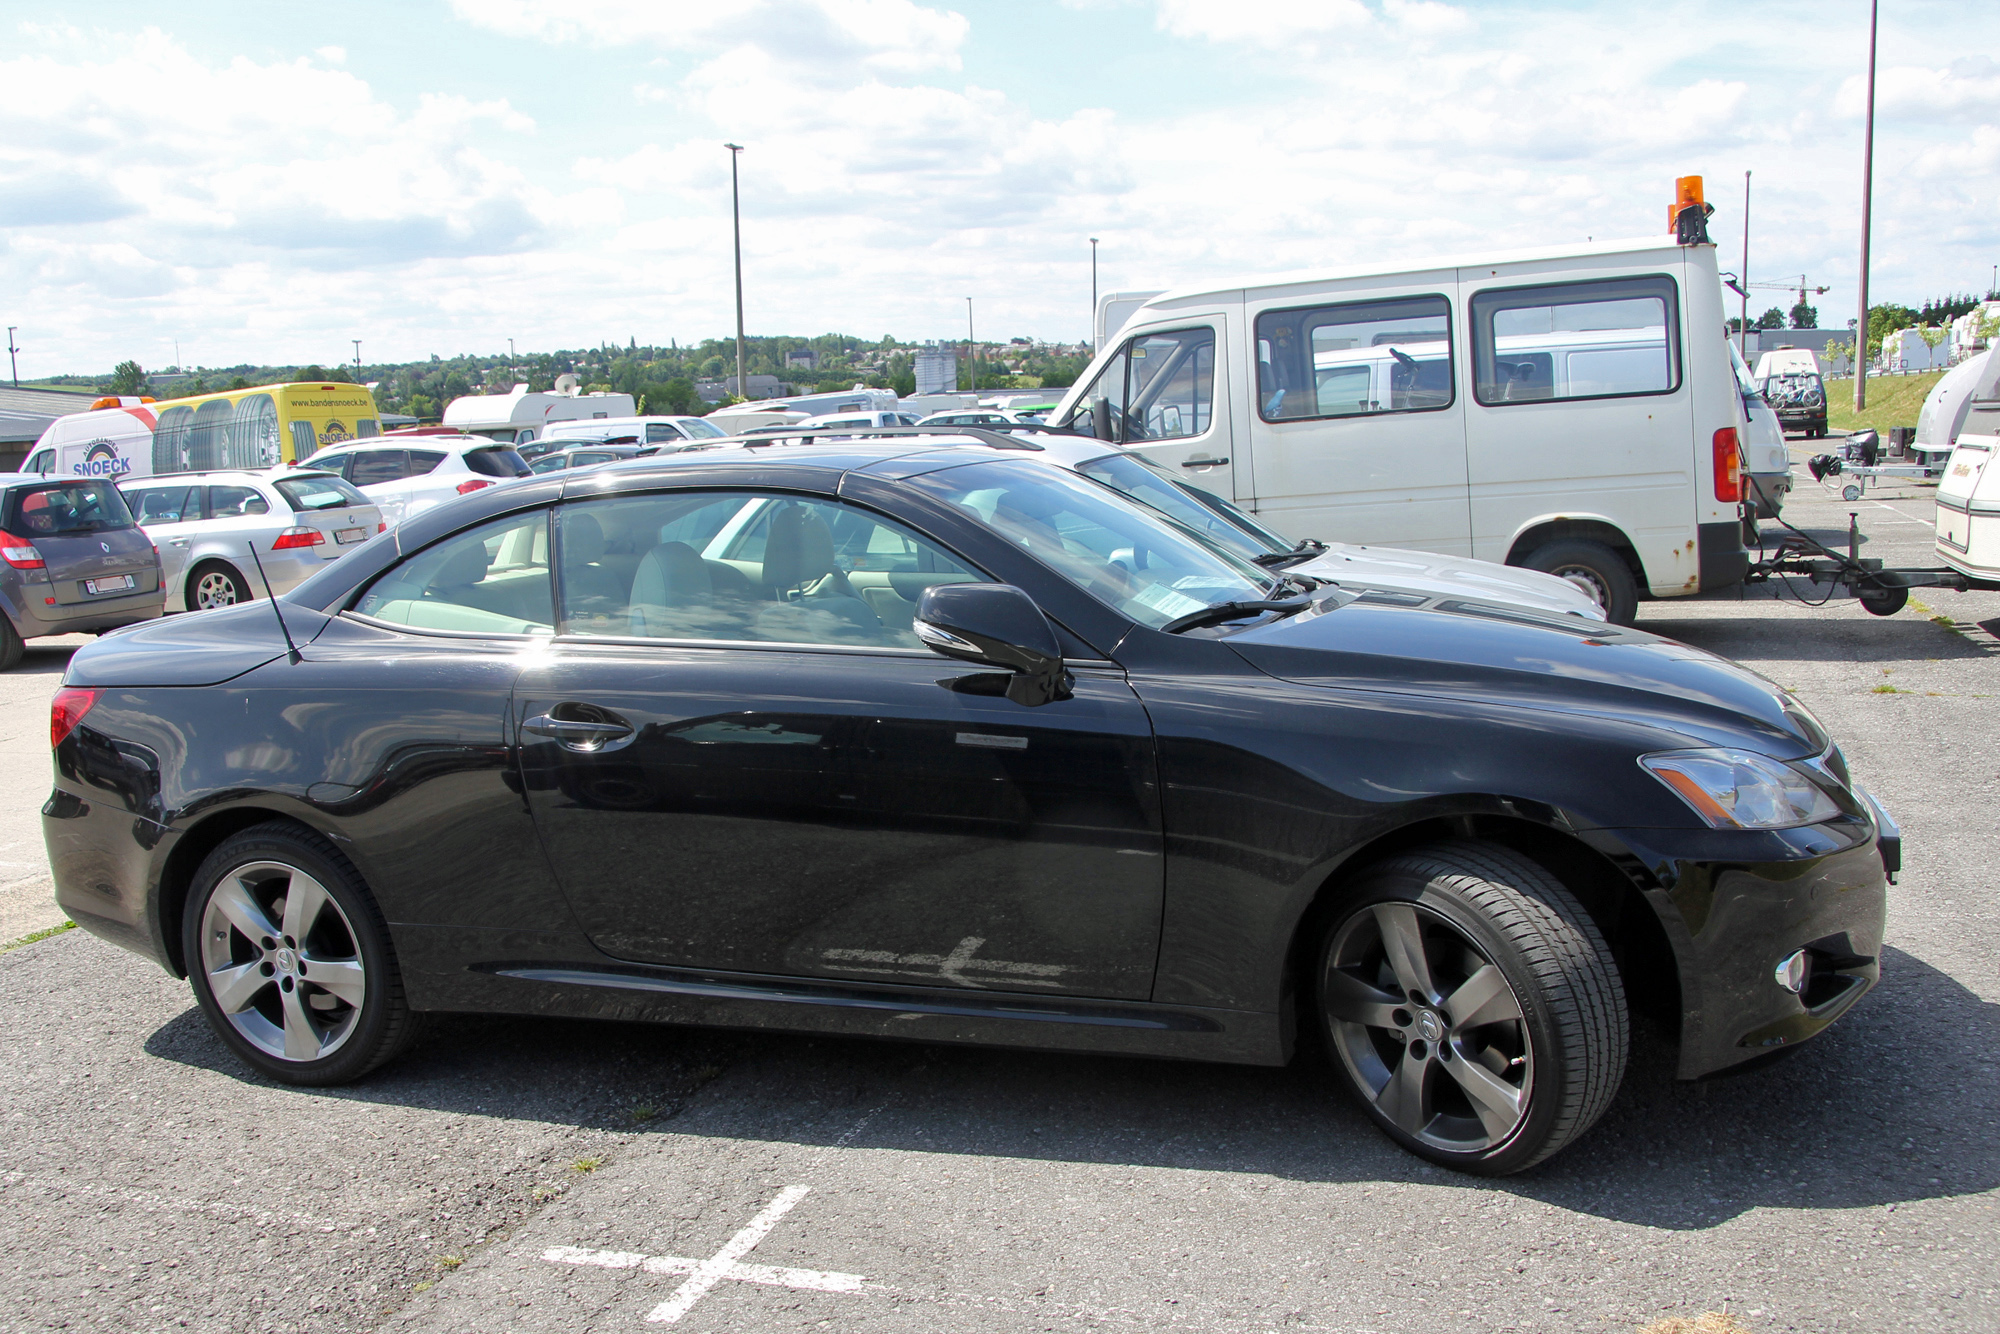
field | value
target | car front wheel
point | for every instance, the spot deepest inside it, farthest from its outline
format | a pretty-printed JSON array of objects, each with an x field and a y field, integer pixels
[
  {"x": 290, "y": 959},
  {"x": 1472, "y": 1006}
]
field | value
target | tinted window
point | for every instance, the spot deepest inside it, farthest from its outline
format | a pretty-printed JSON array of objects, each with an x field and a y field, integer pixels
[
  {"x": 658, "y": 431},
  {"x": 319, "y": 493},
  {"x": 1576, "y": 340},
  {"x": 54, "y": 508},
  {"x": 496, "y": 462},
  {"x": 1119, "y": 552},
  {"x": 1126, "y": 474},
  {"x": 745, "y": 566},
  {"x": 697, "y": 428},
  {"x": 550, "y": 463},
  {"x": 1355, "y": 358},
  {"x": 368, "y": 467},
  {"x": 493, "y": 579},
  {"x": 43, "y": 461},
  {"x": 423, "y": 460},
  {"x": 233, "y": 502},
  {"x": 164, "y": 504}
]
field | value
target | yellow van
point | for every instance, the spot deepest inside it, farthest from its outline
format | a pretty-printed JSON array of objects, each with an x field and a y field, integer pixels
[{"x": 261, "y": 427}]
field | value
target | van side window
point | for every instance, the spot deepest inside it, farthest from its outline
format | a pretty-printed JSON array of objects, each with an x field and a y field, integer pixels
[
  {"x": 1354, "y": 359},
  {"x": 1576, "y": 340}
]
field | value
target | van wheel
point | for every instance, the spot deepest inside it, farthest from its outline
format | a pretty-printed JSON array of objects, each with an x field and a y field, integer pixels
[
  {"x": 1473, "y": 1006},
  {"x": 214, "y": 584},
  {"x": 11, "y": 647},
  {"x": 1597, "y": 570}
]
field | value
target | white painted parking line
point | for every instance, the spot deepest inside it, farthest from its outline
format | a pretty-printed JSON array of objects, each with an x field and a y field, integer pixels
[{"x": 726, "y": 1263}]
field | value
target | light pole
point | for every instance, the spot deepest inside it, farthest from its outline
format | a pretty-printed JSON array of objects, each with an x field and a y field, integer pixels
[
  {"x": 736, "y": 221},
  {"x": 1867, "y": 202},
  {"x": 1743, "y": 321},
  {"x": 357, "y": 359},
  {"x": 510, "y": 366},
  {"x": 971, "y": 355},
  {"x": 13, "y": 360},
  {"x": 1093, "y": 294}
]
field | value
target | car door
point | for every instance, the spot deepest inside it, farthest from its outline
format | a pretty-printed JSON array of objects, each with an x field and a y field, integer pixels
[
  {"x": 1164, "y": 394},
  {"x": 380, "y": 475},
  {"x": 741, "y": 758},
  {"x": 167, "y": 511}
]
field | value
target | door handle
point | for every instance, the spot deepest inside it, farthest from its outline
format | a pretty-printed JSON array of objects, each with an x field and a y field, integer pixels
[
  {"x": 1203, "y": 463},
  {"x": 583, "y": 735}
]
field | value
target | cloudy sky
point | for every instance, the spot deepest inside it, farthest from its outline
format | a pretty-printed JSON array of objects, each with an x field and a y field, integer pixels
[{"x": 264, "y": 182}]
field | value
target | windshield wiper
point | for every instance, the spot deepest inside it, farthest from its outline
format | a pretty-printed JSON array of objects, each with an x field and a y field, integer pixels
[
  {"x": 1305, "y": 550},
  {"x": 1232, "y": 611}
]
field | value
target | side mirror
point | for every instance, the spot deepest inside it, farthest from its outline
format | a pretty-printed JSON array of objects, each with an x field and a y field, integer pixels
[
  {"x": 996, "y": 625},
  {"x": 1100, "y": 419}
]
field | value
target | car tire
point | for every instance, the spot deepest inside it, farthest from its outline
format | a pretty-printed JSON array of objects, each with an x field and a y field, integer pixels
[
  {"x": 290, "y": 958},
  {"x": 1539, "y": 1053},
  {"x": 11, "y": 644},
  {"x": 1596, "y": 569},
  {"x": 213, "y": 584}
]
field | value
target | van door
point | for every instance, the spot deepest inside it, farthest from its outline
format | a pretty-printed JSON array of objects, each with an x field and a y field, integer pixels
[
  {"x": 1161, "y": 394},
  {"x": 1580, "y": 426},
  {"x": 1357, "y": 431}
]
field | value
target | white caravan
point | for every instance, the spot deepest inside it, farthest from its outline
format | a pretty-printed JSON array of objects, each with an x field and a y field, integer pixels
[
  {"x": 1572, "y": 410},
  {"x": 1945, "y": 408},
  {"x": 521, "y": 416},
  {"x": 1968, "y": 496}
]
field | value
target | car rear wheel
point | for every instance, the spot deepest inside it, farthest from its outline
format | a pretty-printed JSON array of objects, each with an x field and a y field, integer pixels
[
  {"x": 215, "y": 584},
  {"x": 1473, "y": 1007},
  {"x": 11, "y": 647},
  {"x": 1597, "y": 570},
  {"x": 290, "y": 959}
]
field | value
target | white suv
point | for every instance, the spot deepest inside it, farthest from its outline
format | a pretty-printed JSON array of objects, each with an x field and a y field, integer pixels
[{"x": 407, "y": 476}]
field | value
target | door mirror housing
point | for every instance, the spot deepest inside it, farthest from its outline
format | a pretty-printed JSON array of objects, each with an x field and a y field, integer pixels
[
  {"x": 1100, "y": 419},
  {"x": 996, "y": 625}
]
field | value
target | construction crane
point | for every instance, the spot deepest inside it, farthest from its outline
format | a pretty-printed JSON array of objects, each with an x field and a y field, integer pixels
[{"x": 1739, "y": 287}]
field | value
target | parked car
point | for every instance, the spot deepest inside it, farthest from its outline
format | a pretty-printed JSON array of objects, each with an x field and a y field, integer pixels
[
  {"x": 71, "y": 559},
  {"x": 204, "y": 522},
  {"x": 1789, "y": 378},
  {"x": 587, "y": 456},
  {"x": 1158, "y": 800},
  {"x": 979, "y": 417},
  {"x": 862, "y": 421},
  {"x": 664, "y": 431},
  {"x": 1416, "y": 575},
  {"x": 406, "y": 479}
]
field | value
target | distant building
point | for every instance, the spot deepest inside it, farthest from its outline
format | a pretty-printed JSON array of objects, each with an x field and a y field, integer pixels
[
  {"x": 1906, "y": 350},
  {"x": 755, "y": 386},
  {"x": 1770, "y": 340},
  {"x": 803, "y": 358},
  {"x": 936, "y": 369},
  {"x": 26, "y": 413}
]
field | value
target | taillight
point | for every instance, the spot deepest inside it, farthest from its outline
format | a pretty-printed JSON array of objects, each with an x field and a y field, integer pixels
[
  {"x": 66, "y": 710},
  {"x": 381, "y": 527},
  {"x": 294, "y": 538},
  {"x": 19, "y": 552},
  {"x": 1728, "y": 466},
  {"x": 472, "y": 484}
]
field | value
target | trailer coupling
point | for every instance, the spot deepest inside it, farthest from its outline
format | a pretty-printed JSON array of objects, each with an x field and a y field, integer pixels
[{"x": 1880, "y": 590}]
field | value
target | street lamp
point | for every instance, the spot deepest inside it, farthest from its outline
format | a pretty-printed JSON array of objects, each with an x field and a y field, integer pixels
[
  {"x": 1867, "y": 191},
  {"x": 357, "y": 359},
  {"x": 736, "y": 221},
  {"x": 971, "y": 354},
  {"x": 13, "y": 361},
  {"x": 1093, "y": 294}
]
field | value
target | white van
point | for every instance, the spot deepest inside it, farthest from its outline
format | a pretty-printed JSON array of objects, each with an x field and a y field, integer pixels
[
  {"x": 1572, "y": 410},
  {"x": 109, "y": 440},
  {"x": 520, "y": 416}
]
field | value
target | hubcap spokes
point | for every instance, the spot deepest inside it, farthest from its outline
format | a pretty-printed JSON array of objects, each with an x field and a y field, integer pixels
[
  {"x": 1429, "y": 1027},
  {"x": 282, "y": 962},
  {"x": 213, "y": 590}
]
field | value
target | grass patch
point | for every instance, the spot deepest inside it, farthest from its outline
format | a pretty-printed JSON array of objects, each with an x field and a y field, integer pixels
[
  {"x": 586, "y": 1165},
  {"x": 34, "y": 936},
  {"x": 450, "y": 1261},
  {"x": 1886, "y": 689},
  {"x": 1709, "y": 1322},
  {"x": 422, "y": 1285},
  {"x": 1893, "y": 400}
]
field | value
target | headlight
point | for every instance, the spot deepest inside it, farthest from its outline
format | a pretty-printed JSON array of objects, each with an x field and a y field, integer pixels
[{"x": 1735, "y": 789}]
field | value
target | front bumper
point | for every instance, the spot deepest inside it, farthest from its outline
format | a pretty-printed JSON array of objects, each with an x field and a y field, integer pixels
[
  {"x": 1766, "y": 492},
  {"x": 1736, "y": 904}
]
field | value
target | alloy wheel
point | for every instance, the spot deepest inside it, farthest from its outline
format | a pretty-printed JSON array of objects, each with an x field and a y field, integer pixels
[
  {"x": 214, "y": 589},
  {"x": 1429, "y": 1027},
  {"x": 282, "y": 962}
]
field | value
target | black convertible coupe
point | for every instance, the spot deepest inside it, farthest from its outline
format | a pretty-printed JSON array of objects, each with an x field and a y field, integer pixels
[{"x": 925, "y": 740}]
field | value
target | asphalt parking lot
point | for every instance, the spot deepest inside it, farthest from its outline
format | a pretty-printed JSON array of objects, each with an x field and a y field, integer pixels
[{"x": 539, "y": 1175}]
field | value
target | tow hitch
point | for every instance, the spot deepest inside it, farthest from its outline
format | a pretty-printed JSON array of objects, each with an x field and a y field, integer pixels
[{"x": 1881, "y": 591}]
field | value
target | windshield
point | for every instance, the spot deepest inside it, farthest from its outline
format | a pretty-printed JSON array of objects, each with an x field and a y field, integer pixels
[
  {"x": 55, "y": 508},
  {"x": 1797, "y": 389},
  {"x": 1124, "y": 555},
  {"x": 696, "y": 426},
  {"x": 319, "y": 493},
  {"x": 1207, "y": 514}
]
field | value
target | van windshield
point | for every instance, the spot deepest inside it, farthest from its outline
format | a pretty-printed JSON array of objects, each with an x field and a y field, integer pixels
[{"x": 56, "y": 508}]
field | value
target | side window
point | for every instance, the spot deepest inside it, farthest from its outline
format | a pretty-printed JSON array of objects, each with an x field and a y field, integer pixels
[
  {"x": 682, "y": 566},
  {"x": 233, "y": 502},
  {"x": 44, "y": 461},
  {"x": 1171, "y": 391},
  {"x": 1355, "y": 358},
  {"x": 658, "y": 431},
  {"x": 1576, "y": 340},
  {"x": 493, "y": 579},
  {"x": 423, "y": 460},
  {"x": 1109, "y": 389},
  {"x": 164, "y": 504},
  {"x": 367, "y": 467}
]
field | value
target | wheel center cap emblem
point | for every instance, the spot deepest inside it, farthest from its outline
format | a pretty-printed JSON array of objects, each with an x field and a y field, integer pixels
[
  {"x": 287, "y": 961},
  {"x": 1430, "y": 1025}
]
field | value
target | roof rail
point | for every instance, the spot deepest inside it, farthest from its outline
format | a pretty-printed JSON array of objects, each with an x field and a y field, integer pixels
[{"x": 998, "y": 437}]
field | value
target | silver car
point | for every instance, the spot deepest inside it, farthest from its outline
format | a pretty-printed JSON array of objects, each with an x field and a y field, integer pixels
[
  {"x": 205, "y": 522},
  {"x": 70, "y": 559}
]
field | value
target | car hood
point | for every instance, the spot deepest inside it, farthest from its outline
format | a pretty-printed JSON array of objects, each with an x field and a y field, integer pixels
[
  {"x": 202, "y": 648},
  {"x": 1494, "y": 653},
  {"x": 1432, "y": 575}
]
